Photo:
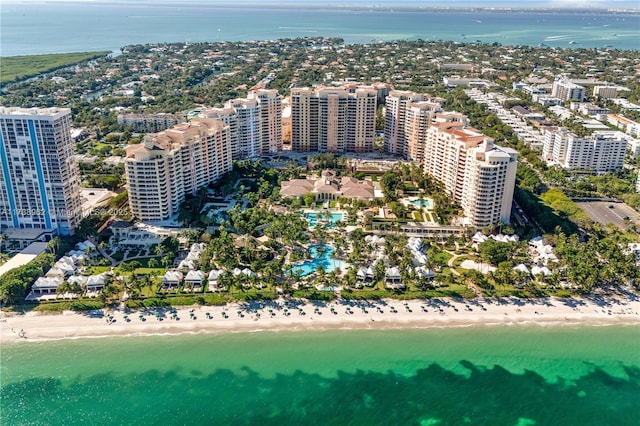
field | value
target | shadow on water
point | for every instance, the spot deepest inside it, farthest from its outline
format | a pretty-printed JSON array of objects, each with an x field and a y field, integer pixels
[{"x": 486, "y": 396}]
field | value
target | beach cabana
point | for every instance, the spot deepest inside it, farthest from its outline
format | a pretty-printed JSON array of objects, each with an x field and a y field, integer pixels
[
  {"x": 425, "y": 273},
  {"x": 540, "y": 270},
  {"x": 194, "y": 279},
  {"x": 522, "y": 268},
  {"x": 96, "y": 283},
  {"x": 46, "y": 285},
  {"x": 214, "y": 280},
  {"x": 186, "y": 265},
  {"x": 393, "y": 279},
  {"x": 172, "y": 279}
]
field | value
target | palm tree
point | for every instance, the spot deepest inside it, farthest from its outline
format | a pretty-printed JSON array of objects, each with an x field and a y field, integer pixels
[{"x": 53, "y": 245}]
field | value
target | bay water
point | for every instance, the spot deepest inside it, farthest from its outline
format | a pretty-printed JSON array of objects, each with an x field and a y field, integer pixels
[
  {"x": 520, "y": 375},
  {"x": 39, "y": 27}
]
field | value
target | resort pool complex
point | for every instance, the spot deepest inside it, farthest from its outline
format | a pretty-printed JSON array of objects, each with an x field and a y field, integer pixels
[
  {"x": 321, "y": 256},
  {"x": 312, "y": 217}
]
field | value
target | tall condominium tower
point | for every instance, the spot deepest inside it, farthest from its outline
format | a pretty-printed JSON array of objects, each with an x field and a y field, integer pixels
[
  {"x": 246, "y": 128},
  {"x": 478, "y": 174},
  {"x": 270, "y": 120},
  {"x": 407, "y": 115},
  {"x": 333, "y": 119},
  {"x": 40, "y": 185},
  {"x": 255, "y": 123},
  {"x": 175, "y": 163}
]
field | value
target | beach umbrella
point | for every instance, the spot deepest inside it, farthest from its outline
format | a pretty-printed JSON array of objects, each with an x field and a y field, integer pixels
[
  {"x": 126, "y": 317},
  {"x": 207, "y": 314}
]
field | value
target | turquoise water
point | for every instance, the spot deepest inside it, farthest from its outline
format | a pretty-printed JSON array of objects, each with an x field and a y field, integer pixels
[
  {"x": 324, "y": 259},
  {"x": 418, "y": 203},
  {"x": 36, "y": 27},
  {"x": 312, "y": 217},
  {"x": 479, "y": 376}
]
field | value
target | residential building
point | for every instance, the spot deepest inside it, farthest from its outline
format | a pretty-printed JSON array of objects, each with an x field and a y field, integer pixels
[
  {"x": 478, "y": 174},
  {"x": 333, "y": 119},
  {"x": 454, "y": 82},
  {"x": 152, "y": 123},
  {"x": 167, "y": 166},
  {"x": 230, "y": 117},
  {"x": 605, "y": 92},
  {"x": 630, "y": 127},
  {"x": 567, "y": 90},
  {"x": 587, "y": 108},
  {"x": 269, "y": 119},
  {"x": 418, "y": 118},
  {"x": 600, "y": 152},
  {"x": 40, "y": 186},
  {"x": 407, "y": 116},
  {"x": 255, "y": 123}
]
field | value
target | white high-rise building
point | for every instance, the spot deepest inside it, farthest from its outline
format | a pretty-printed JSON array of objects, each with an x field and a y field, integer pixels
[
  {"x": 40, "y": 185},
  {"x": 602, "y": 151},
  {"x": 478, "y": 174},
  {"x": 417, "y": 119},
  {"x": 270, "y": 120},
  {"x": 255, "y": 123},
  {"x": 396, "y": 105},
  {"x": 554, "y": 147},
  {"x": 407, "y": 116},
  {"x": 230, "y": 118},
  {"x": 333, "y": 119},
  {"x": 247, "y": 128},
  {"x": 566, "y": 90},
  {"x": 168, "y": 166}
]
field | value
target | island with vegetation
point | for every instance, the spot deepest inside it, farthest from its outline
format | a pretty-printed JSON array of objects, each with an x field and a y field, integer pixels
[{"x": 252, "y": 242}]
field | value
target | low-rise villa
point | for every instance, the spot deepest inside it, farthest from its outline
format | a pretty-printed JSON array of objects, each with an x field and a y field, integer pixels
[
  {"x": 328, "y": 187},
  {"x": 194, "y": 279},
  {"x": 46, "y": 285},
  {"x": 393, "y": 279},
  {"x": 172, "y": 279},
  {"x": 95, "y": 283},
  {"x": 139, "y": 235},
  {"x": 214, "y": 280}
]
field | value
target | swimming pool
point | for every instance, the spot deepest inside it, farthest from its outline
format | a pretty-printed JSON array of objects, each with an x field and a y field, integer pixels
[
  {"x": 320, "y": 257},
  {"x": 312, "y": 217},
  {"x": 421, "y": 203}
]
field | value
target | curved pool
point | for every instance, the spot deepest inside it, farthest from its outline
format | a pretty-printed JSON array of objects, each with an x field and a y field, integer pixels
[{"x": 320, "y": 257}]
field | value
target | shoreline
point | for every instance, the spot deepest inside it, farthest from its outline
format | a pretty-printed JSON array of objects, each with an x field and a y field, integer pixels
[{"x": 277, "y": 316}]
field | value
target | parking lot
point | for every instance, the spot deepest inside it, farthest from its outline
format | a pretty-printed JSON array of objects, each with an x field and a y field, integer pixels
[{"x": 606, "y": 212}]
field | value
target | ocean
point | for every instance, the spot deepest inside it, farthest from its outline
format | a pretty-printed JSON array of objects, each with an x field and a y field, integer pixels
[
  {"x": 35, "y": 28},
  {"x": 519, "y": 375}
]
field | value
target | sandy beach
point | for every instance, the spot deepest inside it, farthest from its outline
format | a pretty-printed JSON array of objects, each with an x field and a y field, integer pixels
[{"x": 291, "y": 315}]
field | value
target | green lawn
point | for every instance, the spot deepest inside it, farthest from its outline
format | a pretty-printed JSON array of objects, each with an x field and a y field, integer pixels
[{"x": 15, "y": 68}]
